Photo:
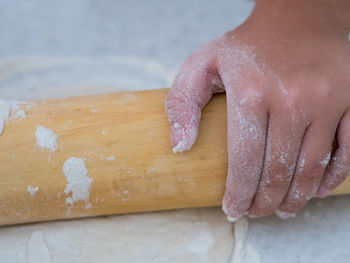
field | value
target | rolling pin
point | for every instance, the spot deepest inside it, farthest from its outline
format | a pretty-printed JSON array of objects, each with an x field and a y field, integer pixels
[{"x": 107, "y": 154}]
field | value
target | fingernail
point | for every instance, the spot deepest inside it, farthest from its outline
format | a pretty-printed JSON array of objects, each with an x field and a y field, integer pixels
[
  {"x": 283, "y": 214},
  {"x": 177, "y": 138},
  {"x": 232, "y": 219},
  {"x": 182, "y": 138},
  {"x": 180, "y": 147},
  {"x": 323, "y": 192}
]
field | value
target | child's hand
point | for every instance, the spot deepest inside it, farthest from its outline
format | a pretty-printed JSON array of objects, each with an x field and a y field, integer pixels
[{"x": 286, "y": 73}]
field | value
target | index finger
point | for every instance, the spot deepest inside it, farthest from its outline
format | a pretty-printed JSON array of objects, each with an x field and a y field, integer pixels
[{"x": 247, "y": 129}]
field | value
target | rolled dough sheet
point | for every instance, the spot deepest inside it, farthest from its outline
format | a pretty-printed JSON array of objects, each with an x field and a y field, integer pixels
[{"x": 194, "y": 235}]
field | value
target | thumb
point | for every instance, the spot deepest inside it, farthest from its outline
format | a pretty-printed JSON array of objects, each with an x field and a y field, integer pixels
[{"x": 192, "y": 89}]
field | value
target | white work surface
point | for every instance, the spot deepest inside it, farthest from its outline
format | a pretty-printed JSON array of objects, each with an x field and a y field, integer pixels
[{"x": 62, "y": 48}]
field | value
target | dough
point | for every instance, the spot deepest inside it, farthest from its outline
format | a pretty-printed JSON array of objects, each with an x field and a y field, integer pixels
[{"x": 192, "y": 235}]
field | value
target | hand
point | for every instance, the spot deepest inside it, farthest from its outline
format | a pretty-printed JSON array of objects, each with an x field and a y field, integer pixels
[{"x": 286, "y": 74}]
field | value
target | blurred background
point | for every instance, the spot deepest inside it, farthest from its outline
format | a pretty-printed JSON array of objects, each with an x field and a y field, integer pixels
[
  {"x": 52, "y": 49},
  {"x": 76, "y": 45}
]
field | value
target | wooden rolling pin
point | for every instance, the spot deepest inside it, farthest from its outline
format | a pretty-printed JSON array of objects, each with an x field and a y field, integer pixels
[{"x": 112, "y": 156}]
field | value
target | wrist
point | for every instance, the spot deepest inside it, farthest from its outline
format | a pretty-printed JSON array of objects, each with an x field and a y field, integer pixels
[{"x": 313, "y": 16}]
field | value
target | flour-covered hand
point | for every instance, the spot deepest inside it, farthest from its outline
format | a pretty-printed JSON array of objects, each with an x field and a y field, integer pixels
[{"x": 286, "y": 74}]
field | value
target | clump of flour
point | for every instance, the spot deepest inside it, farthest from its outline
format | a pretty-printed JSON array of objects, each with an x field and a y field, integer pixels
[
  {"x": 232, "y": 219},
  {"x": 285, "y": 215},
  {"x": 12, "y": 108},
  {"x": 326, "y": 160},
  {"x": 46, "y": 138},
  {"x": 32, "y": 190},
  {"x": 110, "y": 158},
  {"x": 20, "y": 114},
  {"x": 78, "y": 182}
]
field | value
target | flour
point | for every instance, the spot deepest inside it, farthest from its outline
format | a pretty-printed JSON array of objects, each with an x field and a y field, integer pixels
[
  {"x": 37, "y": 249},
  {"x": 110, "y": 158},
  {"x": 78, "y": 182},
  {"x": 4, "y": 114},
  {"x": 302, "y": 163},
  {"x": 11, "y": 110},
  {"x": 284, "y": 215},
  {"x": 190, "y": 236},
  {"x": 32, "y": 190},
  {"x": 20, "y": 114},
  {"x": 306, "y": 214},
  {"x": 188, "y": 134},
  {"x": 252, "y": 255},
  {"x": 232, "y": 219},
  {"x": 88, "y": 206},
  {"x": 326, "y": 160},
  {"x": 46, "y": 138},
  {"x": 241, "y": 229},
  {"x": 180, "y": 147},
  {"x": 202, "y": 243}
]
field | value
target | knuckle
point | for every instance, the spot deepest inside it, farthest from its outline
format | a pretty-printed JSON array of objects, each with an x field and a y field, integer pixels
[
  {"x": 338, "y": 170},
  {"x": 314, "y": 170},
  {"x": 295, "y": 201},
  {"x": 251, "y": 97},
  {"x": 336, "y": 175},
  {"x": 297, "y": 85},
  {"x": 176, "y": 98},
  {"x": 171, "y": 103},
  {"x": 294, "y": 93},
  {"x": 323, "y": 91},
  {"x": 299, "y": 198},
  {"x": 277, "y": 179}
]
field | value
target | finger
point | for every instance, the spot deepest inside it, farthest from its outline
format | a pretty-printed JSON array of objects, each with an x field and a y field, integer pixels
[
  {"x": 281, "y": 153},
  {"x": 313, "y": 159},
  {"x": 192, "y": 89},
  {"x": 247, "y": 123},
  {"x": 339, "y": 167}
]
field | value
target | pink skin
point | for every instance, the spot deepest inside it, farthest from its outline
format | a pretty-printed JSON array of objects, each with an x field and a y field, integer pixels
[{"x": 287, "y": 81}]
